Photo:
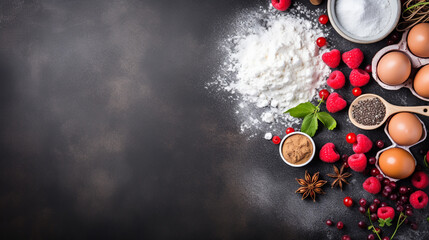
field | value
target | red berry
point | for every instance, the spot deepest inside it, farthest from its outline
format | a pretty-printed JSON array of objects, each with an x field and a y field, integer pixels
[
  {"x": 386, "y": 238},
  {"x": 332, "y": 58},
  {"x": 346, "y": 165},
  {"x": 357, "y": 91},
  {"x": 357, "y": 162},
  {"x": 386, "y": 212},
  {"x": 379, "y": 177},
  {"x": 376, "y": 201},
  {"x": 400, "y": 208},
  {"x": 276, "y": 140},
  {"x": 323, "y": 19},
  {"x": 368, "y": 68},
  {"x": 379, "y": 144},
  {"x": 346, "y": 237},
  {"x": 353, "y": 58},
  {"x": 383, "y": 204},
  {"x": 371, "y": 237},
  {"x": 351, "y": 138},
  {"x": 290, "y": 130},
  {"x": 374, "y": 217},
  {"x": 363, "y": 144},
  {"x": 372, "y": 185},
  {"x": 374, "y": 172},
  {"x": 344, "y": 157},
  {"x": 336, "y": 80},
  {"x": 340, "y": 225},
  {"x": 362, "y": 202},
  {"x": 328, "y": 154},
  {"x": 358, "y": 77},
  {"x": 373, "y": 208},
  {"x": 393, "y": 197},
  {"x": 335, "y": 103},
  {"x": 414, "y": 226},
  {"x": 323, "y": 94},
  {"x": 361, "y": 224},
  {"x": 329, "y": 222},
  {"x": 409, "y": 212},
  {"x": 403, "y": 190},
  {"x": 281, "y": 5},
  {"x": 321, "y": 41},
  {"x": 372, "y": 160},
  {"x": 419, "y": 199},
  {"x": 420, "y": 180},
  {"x": 348, "y": 201},
  {"x": 362, "y": 210}
]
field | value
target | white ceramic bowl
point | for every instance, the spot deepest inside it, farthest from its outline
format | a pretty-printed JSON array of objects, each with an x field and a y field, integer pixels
[
  {"x": 396, "y": 13},
  {"x": 297, "y": 165}
]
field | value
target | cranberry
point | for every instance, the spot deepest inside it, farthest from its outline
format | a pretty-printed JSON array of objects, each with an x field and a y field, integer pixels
[
  {"x": 374, "y": 172},
  {"x": 351, "y": 138},
  {"x": 378, "y": 230},
  {"x": 395, "y": 37},
  {"x": 386, "y": 238},
  {"x": 348, "y": 202},
  {"x": 399, "y": 203},
  {"x": 368, "y": 68},
  {"x": 380, "y": 177},
  {"x": 372, "y": 160},
  {"x": 361, "y": 224},
  {"x": 392, "y": 185},
  {"x": 414, "y": 226},
  {"x": 374, "y": 217},
  {"x": 376, "y": 201},
  {"x": 404, "y": 198},
  {"x": 323, "y": 19},
  {"x": 340, "y": 225},
  {"x": 371, "y": 237},
  {"x": 390, "y": 42},
  {"x": 323, "y": 94},
  {"x": 408, "y": 207},
  {"x": 386, "y": 181},
  {"x": 362, "y": 202},
  {"x": 403, "y": 190},
  {"x": 289, "y": 130},
  {"x": 346, "y": 164},
  {"x": 384, "y": 193},
  {"x": 399, "y": 208},
  {"x": 345, "y": 157},
  {"x": 393, "y": 197},
  {"x": 383, "y": 204},
  {"x": 362, "y": 209},
  {"x": 388, "y": 189},
  {"x": 409, "y": 212},
  {"x": 373, "y": 208},
  {"x": 276, "y": 140},
  {"x": 406, "y": 221},
  {"x": 379, "y": 144},
  {"x": 321, "y": 41},
  {"x": 356, "y": 91},
  {"x": 329, "y": 222},
  {"x": 346, "y": 237},
  {"x": 409, "y": 189}
]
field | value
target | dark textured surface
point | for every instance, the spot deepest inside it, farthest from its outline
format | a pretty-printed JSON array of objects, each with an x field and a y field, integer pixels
[{"x": 107, "y": 130}]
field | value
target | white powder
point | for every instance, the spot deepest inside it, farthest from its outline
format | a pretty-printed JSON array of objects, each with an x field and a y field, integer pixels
[
  {"x": 268, "y": 136},
  {"x": 363, "y": 18},
  {"x": 273, "y": 63}
]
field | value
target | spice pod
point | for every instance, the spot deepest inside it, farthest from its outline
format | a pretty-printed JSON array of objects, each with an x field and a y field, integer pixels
[
  {"x": 396, "y": 151},
  {"x": 396, "y": 66}
]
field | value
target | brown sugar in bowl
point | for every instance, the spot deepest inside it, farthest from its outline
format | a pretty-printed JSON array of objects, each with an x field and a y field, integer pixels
[{"x": 297, "y": 149}]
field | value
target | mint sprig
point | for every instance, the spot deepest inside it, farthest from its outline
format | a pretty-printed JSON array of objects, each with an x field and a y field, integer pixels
[
  {"x": 386, "y": 221},
  {"x": 311, "y": 115}
]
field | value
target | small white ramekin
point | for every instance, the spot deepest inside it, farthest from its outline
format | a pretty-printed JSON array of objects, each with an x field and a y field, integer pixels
[{"x": 297, "y": 165}]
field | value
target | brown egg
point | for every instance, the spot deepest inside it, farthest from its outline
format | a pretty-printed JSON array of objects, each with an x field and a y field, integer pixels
[
  {"x": 405, "y": 128},
  {"x": 418, "y": 40},
  {"x": 397, "y": 163},
  {"x": 394, "y": 68},
  {"x": 421, "y": 82}
]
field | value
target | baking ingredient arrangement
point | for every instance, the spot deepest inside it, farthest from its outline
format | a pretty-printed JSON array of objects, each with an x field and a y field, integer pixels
[{"x": 277, "y": 68}]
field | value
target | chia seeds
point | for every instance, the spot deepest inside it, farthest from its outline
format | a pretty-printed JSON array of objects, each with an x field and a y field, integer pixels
[{"x": 369, "y": 112}]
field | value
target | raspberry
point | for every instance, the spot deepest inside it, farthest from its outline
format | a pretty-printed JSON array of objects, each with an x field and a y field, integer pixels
[
  {"x": 336, "y": 80},
  {"x": 363, "y": 145},
  {"x": 419, "y": 199},
  {"x": 332, "y": 58},
  {"x": 372, "y": 185},
  {"x": 420, "y": 180},
  {"x": 386, "y": 212},
  {"x": 353, "y": 58},
  {"x": 358, "y": 77},
  {"x": 357, "y": 162},
  {"x": 335, "y": 103},
  {"x": 328, "y": 154}
]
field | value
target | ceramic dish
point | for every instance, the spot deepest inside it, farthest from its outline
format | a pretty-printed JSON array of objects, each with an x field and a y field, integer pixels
[
  {"x": 396, "y": 13},
  {"x": 297, "y": 165}
]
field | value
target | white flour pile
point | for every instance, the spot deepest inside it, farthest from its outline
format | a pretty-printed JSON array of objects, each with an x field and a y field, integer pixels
[
  {"x": 364, "y": 18},
  {"x": 273, "y": 63}
]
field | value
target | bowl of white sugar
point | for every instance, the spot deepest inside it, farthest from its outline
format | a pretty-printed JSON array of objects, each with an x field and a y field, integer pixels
[{"x": 364, "y": 21}]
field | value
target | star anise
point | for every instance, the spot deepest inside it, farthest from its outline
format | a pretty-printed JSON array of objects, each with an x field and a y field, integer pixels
[
  {"x": 310, "y": 186},
  {"x": 339, "y": 176}
]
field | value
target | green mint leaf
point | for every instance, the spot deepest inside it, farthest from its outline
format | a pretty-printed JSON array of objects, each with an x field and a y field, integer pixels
[
  {"x": 309, "y": 124},
  {"x": 388, "y": 222},
  {"x": 302, "y": 110},
  {"x": 327, "y": 120},
  {"x": 381, "y": 222}
]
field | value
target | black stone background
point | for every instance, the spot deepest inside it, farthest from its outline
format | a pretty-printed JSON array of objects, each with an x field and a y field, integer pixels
[{"x": 107, "y": 131}]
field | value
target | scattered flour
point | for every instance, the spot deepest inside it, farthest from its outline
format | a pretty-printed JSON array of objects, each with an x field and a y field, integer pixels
[
  {"x": 268, "y": 136},
  {"x": 272, "y": 64}
]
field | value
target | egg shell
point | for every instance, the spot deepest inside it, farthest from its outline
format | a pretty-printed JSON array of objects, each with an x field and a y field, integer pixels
[
  {"x": 394, "y": 68},
  {"x": 421, "y": 82},
  {"x": 418, "y": 40},
  {"x": 396, "y": 163},
  {"x": 405, "y": 129}
]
